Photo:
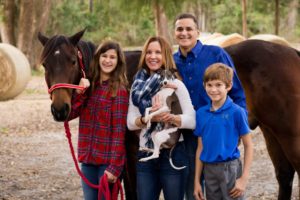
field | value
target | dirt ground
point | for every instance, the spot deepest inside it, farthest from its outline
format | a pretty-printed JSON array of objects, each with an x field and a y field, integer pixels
[{"x": 35, "y": 161}]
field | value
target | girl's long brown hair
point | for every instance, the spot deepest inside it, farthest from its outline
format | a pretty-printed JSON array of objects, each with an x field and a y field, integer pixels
[{"x": 118, "y": 75}]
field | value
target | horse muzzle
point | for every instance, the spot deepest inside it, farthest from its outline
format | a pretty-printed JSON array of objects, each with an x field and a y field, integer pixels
[{"x": 60, "y": 114}]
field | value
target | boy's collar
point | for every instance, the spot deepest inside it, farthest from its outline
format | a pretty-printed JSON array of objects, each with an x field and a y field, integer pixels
[{"x": 226, "y": 105}]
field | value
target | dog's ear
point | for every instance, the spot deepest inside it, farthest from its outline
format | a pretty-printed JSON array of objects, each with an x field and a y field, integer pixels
[
  {"x": 173, "y": 70},
  {"x": 159, "y": 71}
]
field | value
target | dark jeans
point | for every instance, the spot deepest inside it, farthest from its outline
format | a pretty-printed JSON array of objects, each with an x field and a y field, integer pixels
[
  {"x": 93, "y": 173},
  {"x": 157, "y": 174},
  {"x": 190, "y": 141}
]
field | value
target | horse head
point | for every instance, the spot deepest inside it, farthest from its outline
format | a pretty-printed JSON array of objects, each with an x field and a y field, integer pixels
[{"x": 62, "y": 67}]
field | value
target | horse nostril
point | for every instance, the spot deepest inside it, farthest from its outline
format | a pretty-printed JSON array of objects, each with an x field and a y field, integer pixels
[
  {"x": 53, "y": 110},
  {"x": 60, "y": 114},
  {"x": 66, "y": 110}
]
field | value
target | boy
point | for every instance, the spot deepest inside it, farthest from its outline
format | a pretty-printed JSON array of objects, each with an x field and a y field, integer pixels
[{"x": 219, "y": 126}]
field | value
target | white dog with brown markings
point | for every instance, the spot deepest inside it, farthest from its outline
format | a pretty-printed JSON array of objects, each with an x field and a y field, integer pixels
[{"x": 169, "y": 136}]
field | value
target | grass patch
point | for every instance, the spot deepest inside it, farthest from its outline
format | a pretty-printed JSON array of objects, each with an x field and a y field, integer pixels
[
  {"x": 3, "y": 130},
  {"x": 33, "y": 91},
  {"x": 38, "y": 72}
]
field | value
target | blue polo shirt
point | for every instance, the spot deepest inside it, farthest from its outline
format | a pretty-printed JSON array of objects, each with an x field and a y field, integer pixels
[
  {"x": 220, "y": 131},
  {"x": 192, "y": 69}
]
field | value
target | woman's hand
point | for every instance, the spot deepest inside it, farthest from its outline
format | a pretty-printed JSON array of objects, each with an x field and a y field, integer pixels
[
  {"x": 84, "y": 83},
  {"x": 110, "y": 177},
  {"x": 171, "y": 85}
]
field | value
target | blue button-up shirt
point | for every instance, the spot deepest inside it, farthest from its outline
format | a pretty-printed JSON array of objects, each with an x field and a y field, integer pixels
[{"x": 193, "y": 66}]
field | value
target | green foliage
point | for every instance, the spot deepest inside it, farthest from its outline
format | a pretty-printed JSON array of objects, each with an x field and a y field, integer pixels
[
  {"x": 107, "y": 21},
  {"x": 227, "y": 17},
  {"x": 131, "y": 22}
]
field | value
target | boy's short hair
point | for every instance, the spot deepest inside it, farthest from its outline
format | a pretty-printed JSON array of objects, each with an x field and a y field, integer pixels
[{"x": 218, "y": 71}]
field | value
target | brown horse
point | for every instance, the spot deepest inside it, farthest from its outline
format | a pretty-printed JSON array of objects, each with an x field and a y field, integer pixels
[
  {"x": 270, "y": 77},
  {"x": 66, "y": 60}
]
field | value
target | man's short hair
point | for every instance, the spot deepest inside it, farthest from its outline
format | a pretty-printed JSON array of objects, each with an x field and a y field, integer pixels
[
  {"x": 218, "y": 71},
  {"x": 187, "y": 16}
]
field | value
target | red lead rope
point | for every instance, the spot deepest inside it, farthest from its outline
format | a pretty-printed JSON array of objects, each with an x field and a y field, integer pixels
[{"x": 103, "y": 187}]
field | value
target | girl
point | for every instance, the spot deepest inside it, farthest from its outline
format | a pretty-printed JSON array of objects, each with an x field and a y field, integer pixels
[
  {"x": 157, "y": 174},
  {"x": 102, "y": 111}
]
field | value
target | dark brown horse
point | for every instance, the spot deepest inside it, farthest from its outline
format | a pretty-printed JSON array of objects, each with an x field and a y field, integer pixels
[
  {"x": 66, "y": 60},
  {"x": 268, "y": 72},
  {"x": 270, "y": 77}
]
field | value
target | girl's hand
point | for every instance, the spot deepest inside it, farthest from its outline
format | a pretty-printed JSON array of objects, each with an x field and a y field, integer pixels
[
  {"x": 84, "y": 83},
  {"x": 110, "y": 177}
]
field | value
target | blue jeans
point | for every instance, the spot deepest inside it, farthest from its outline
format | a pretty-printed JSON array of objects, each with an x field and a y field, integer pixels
[
  {"x": 157, "y": 174},
  {"x": 93, "y": 173}
]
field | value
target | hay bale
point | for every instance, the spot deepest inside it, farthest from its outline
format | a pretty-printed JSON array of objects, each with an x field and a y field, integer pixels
[
  {"x": 14, "y": 71},
  {"x": 271, "y": 38},
  {"x": 226, "y": 40}
]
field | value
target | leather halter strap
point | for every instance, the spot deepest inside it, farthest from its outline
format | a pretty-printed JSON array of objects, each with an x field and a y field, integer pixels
[{"x": 67, "y": 85}]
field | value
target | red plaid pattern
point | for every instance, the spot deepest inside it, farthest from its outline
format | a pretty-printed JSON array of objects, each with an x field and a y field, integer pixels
[{"x": 102, "y": 127}]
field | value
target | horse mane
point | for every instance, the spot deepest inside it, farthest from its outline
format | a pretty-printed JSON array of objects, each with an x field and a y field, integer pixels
[{"x": 87, "y": 49}]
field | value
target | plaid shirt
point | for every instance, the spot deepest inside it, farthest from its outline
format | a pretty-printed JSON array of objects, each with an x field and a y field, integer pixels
[{"x": 102, "y": 126}]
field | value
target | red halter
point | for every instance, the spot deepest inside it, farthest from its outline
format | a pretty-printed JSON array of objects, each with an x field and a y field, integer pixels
[{"x": 67, "y": 85}]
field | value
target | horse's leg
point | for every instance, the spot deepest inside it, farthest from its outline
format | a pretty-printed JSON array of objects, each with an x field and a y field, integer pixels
[
  {"x": 132, "y": 145},
  {"x": 283, "y": 169}
]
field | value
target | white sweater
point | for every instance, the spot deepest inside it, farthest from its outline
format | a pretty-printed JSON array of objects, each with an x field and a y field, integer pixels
[{"x": 188, "y": 116}]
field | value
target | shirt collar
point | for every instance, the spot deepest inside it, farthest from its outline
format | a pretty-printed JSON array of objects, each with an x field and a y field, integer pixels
[
  {"x": 227, "y": 104},
  {"x": 195, "y": 50}
]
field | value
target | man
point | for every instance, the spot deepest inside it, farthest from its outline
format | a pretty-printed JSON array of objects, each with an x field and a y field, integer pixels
[{"x": 192, "y": 58}]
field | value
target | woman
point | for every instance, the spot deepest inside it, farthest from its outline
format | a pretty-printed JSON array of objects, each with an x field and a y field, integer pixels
[
  {"x": 102, "y": 111},
  {"x": 157, "y": 174}
]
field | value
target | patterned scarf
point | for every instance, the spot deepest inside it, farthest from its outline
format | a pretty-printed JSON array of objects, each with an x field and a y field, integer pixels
[{"x": 144, "y": 87}]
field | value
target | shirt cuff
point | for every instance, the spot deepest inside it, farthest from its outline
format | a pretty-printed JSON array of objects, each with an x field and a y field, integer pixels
[{"x": 115, "y": 170}]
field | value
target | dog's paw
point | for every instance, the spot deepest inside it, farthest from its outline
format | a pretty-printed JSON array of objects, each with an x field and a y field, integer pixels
[{"x": 143, "y": 159}]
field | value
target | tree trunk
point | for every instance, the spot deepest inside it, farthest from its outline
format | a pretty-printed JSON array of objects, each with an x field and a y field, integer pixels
[
  {"x": 244, "y": 10},
  {"x": 292, "y": 15},
  {"x": 91, "y": 5},
  {"x": 7, "y": 24},
  {"x": 161, "y": 21},
  {"x": 33, "y": 18},
  {"x": 41, "y": 15},
  {"x": 25, "y": 33},
  {"x": 276, "y": 21}
]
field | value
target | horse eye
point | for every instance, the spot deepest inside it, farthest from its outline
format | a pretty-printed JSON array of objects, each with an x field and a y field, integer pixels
[{"x": 73, "y": 62}]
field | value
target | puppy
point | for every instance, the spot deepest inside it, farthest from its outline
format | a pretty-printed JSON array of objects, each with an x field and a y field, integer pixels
[{"x": 169, "y": 136}]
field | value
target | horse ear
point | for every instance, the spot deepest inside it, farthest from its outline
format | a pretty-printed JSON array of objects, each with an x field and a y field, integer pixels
[
  {"x": 43, "y": 39},
  {"x": 76, "y": 37}
]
